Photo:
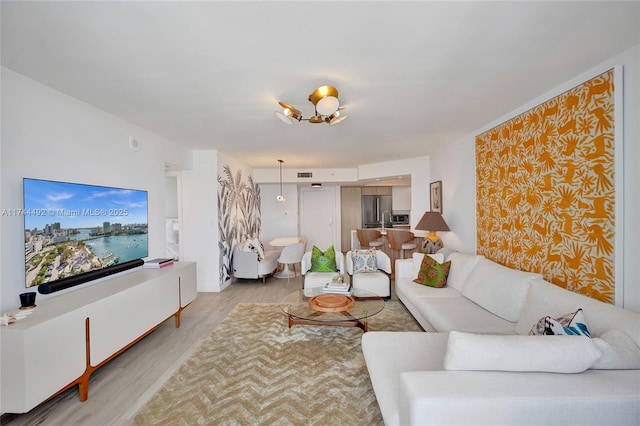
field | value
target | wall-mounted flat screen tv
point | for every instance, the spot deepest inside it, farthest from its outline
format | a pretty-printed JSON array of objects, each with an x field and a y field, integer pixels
[{"x": 74, "y": 233}]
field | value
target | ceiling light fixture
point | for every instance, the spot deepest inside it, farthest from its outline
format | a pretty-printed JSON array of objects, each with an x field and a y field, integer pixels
[
  {"x": 327, "y": 108},
  {"x": 281, "y": 197}
]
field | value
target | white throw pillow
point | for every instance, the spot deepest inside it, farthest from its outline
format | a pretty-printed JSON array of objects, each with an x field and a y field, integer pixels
[
  {"x": 554, "y": 354},
  {"x": 619, "y": 351},
  {"x": 461, "y": 266},
  {"x": 417, "y": 261}
]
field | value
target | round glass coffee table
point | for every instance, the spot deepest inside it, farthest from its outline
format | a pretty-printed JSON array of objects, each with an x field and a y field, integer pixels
[{"x": 336, "y": 311}]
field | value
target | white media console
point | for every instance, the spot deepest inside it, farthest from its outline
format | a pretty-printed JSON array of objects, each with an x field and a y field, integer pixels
[{"x": 68, "y": 337}]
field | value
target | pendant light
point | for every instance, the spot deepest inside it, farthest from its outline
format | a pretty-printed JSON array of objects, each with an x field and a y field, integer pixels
[{"x": 281, "y": 197}]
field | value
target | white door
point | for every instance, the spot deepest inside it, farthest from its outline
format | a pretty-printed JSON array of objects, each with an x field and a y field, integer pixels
[{"x": 317, "y": 217}]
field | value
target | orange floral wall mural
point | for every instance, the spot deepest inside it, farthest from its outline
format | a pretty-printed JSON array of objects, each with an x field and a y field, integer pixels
[{"x": 545, "y": 190}]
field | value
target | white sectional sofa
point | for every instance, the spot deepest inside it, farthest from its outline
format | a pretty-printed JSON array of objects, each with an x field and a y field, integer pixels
[{"x": 499, "y": 374}]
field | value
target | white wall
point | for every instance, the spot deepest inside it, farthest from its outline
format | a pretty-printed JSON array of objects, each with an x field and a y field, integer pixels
[
  {"x": 458, "y": 176},
  {"x": 49, "y": 135},
  {"x": 454, "y": 165},
  {"x": 278, "y": 219},
  {"x": 200, "y": 218}
]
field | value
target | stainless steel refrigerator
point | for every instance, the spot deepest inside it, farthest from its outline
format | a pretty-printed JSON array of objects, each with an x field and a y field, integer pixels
[{"x": 375, "y": 209}]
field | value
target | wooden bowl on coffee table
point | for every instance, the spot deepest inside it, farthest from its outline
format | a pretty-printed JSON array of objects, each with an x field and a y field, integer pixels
[{"x": 331, "y": 302}]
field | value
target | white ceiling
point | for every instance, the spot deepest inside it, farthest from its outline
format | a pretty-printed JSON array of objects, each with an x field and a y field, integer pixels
[{"x": 412, "y": 75}]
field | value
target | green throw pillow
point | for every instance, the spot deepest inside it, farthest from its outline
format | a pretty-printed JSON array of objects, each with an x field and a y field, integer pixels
[
  {"x": 432, "y": 273},
  {"x": 323, "y": 262}
]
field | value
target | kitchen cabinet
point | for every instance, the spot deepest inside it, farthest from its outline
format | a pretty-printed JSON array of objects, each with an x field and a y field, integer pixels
[
  {"x": 350, "y": 214},
  {"x": 401, "y": 198},
  {"x": 376, "y": 190}
]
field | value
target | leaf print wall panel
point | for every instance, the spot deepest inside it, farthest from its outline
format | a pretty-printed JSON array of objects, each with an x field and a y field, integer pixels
[
  {"x": 545, "y": 190},
  {"x": 238, "y": 215}
]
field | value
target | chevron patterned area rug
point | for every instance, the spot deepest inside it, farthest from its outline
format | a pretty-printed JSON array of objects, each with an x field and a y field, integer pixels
[{"x": 254, "y": 370}]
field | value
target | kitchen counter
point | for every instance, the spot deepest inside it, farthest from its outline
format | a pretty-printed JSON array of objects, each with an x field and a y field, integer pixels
[{"x": 419, "y": 239}]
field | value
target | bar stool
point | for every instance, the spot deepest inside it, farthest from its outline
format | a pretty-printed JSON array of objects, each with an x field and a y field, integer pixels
[
  {"x": 400, "y": 241},
  {"x": 369, "y": 238}
]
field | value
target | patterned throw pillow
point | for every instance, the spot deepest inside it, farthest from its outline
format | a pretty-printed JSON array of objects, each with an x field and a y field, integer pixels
[
  {"x": 364, "y": 260},
  {"x": 571, "y": 324},
  {"x": 432, "y": 273},
  {"x": 256, "y": 247},
  {"x": 323, "y": 262}
]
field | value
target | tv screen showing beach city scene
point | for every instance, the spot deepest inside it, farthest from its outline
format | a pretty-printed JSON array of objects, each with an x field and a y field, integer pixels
[{"x": 72, "y": 229}]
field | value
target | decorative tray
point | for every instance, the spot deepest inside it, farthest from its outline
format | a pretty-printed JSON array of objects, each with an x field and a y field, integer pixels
[{"x": 331, "y": 302}]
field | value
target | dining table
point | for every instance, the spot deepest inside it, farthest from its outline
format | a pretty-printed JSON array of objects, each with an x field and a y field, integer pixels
[{"x": 283, "y": 242}]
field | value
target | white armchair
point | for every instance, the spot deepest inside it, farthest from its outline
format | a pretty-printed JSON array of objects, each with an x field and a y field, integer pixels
[
  {"x": 247, "y": 266},
  {"x": 319, "y": 279},
  {"x": 377, "y": 282}
]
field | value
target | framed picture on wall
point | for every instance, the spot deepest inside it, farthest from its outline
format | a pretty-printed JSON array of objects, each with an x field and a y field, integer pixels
[{"x": 436, "y": 196}]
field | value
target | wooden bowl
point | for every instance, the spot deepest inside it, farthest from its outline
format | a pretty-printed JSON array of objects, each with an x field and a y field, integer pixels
[{"x": 331, "y": 302}]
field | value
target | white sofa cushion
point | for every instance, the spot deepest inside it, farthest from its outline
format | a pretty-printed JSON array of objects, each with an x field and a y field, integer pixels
[
  {"x": 414, "y": 291},
  {"x": 553, "y": 354},
  {"x": 459, "y": 313},
  {"x": 498, "y": 289},
  {"x": 545, "y": 299},
  {"x": 389, "y": 353},
  {"x": 461, "y": 266},
  {"x": 619, "y": 351},
  {"x": 594, "y": 397}
]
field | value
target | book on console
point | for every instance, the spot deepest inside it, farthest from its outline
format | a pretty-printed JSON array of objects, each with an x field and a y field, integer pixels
[{"x": 157, "y": 263}]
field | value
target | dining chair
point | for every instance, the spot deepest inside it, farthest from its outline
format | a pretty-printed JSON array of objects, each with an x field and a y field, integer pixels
[
  {"x": 291, "y": 255},
  {"x": 303, "y": 240}
]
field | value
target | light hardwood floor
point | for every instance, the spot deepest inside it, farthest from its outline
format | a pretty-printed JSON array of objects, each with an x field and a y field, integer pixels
[{"x": 118, "y": 389}]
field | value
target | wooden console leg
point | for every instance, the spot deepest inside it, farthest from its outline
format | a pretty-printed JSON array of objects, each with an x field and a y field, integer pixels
[
  {"x": 83, "y": 389},
  {"x": 83, "y": 381},
  {"x": 177, "y": 316}
]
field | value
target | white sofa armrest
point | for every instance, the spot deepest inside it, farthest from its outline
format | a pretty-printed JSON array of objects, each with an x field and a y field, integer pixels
[
  {"x": 305, "y": 263},
  {"x": 507, "y": 398},
  {"x": 384, "y": 261}
]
